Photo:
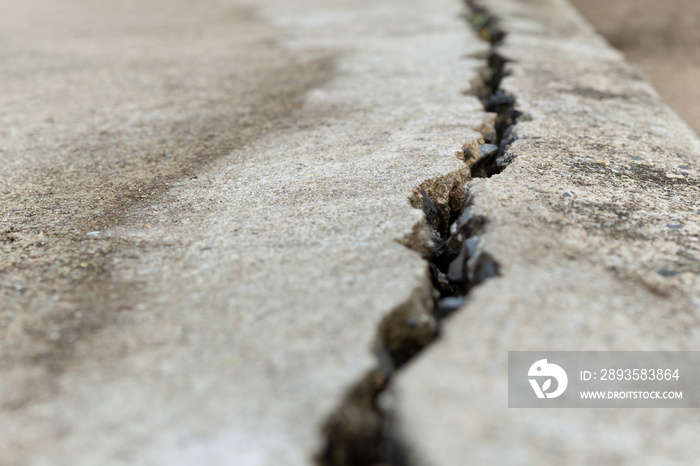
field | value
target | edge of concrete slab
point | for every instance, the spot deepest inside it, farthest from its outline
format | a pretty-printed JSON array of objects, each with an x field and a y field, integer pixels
[{"x": 598, "y": 205}]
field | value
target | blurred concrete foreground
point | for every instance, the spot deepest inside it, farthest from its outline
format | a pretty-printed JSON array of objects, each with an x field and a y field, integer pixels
[{"x": 208, "y": 209}]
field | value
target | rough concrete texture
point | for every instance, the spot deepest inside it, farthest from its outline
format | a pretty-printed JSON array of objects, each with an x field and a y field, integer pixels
[
  {"x": 595, "y": 225},
  {"x": 201, "y": 217}
]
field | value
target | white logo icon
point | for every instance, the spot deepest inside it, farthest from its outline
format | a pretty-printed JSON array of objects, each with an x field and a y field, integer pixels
[{"x": 542, "y": 369}]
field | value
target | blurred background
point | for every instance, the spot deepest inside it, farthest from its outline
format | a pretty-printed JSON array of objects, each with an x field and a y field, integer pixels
[{"x": 662, "y": 37}]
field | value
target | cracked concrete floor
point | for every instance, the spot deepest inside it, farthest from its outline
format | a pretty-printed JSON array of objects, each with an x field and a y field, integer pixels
[
  {"x": 202, "y": 205},
  {"x": 205, "y": 216},
  {"x": 596, "y": 226}
]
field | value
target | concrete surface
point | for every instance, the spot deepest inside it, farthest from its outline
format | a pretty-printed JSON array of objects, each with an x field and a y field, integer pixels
[
  {"x": 201, "y": 217},
  {"x": 596, "y": 227},
  {"x": 205, "y": 218},
  {"x": 661, "y": 37}
]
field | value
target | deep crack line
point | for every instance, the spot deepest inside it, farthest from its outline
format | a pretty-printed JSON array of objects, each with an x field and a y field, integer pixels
[{"x": 358, "y": 431}]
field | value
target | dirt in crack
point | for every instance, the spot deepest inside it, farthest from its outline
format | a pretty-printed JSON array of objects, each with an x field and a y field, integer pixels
[
  {"x": 357, "y": 432},
  {"x": 493, "y": 156}
]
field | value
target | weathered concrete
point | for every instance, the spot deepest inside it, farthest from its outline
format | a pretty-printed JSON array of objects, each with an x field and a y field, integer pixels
[
  {"x": 662, "y": 39},
  {"x": 202, "y": 204},
  {"x": 595, "y": 225}
]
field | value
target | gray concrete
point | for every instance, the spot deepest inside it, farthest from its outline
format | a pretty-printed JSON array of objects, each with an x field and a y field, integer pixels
[
  {"x": 201, "y": 217},
  {"x": 594, "y": 206},
  {"x": 205, "y": 216}
]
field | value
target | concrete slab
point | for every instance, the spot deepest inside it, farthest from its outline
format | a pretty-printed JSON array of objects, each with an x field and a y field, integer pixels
[
  {"x": 202, "y": 216},
  {"x": 595, "y": 226}
]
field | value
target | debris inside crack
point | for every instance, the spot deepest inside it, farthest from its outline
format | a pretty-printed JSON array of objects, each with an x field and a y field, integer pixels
[
  {"x": 355, "y": 432},
  {"x": 493, "y": 156},
  {"x": 358, "y": 432},
  {"x": 458, "y": 264}
]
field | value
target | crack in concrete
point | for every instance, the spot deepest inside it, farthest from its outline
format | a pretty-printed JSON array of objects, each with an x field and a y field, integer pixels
[
  {"x": 493, "y": 157},
  {"x": 358, "y": 432}
]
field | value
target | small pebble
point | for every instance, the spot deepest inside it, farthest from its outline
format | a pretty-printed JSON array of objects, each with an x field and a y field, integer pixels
[
  {"x": 675, "y": 226},
  {"x": 566, "y": 195},
  {"x": 451, "y": 303},
  {"x": 93, "y": 233},
  {"x": 487, "y": 150}
]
